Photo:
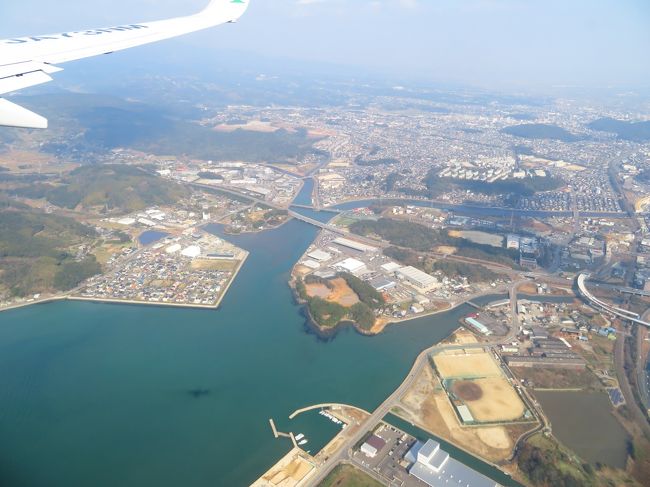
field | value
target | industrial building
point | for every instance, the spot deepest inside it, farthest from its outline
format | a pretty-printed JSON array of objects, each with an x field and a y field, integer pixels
[
  {"x": 512, "y": 242},
  {"x": 173, "y": 248},
  {"x": 372, "y": 446},
  {"x": 351, "y": 244},
  {"x": 351, "y": 265},
  {"x": 478, "y": 326},
  {"x": 193, "y": 251},
  {"x": 380, "y": 283},
  {"x": 548, "y": 362},
  {"x": 417, "y": 278},
  {"x": 434, "y": 467},
  {"x": 319, "y": 255},
  {"x": 390, "y": 267}
]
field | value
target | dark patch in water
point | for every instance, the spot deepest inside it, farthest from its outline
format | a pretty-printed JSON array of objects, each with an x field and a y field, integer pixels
[{"x": 198, "y": 393}]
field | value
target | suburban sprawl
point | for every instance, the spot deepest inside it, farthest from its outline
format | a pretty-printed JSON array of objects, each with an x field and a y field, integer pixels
[{"x": 524, "y": 224}]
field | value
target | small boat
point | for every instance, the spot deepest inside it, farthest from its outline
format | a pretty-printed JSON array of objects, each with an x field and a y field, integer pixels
[
  {"x": 302, "y": 442},
  {"x": 300, "y": 437}
]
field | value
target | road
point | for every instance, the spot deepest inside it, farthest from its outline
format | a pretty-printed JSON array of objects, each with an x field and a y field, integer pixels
[
  {"x": 420, "y": 362},
  {"x": 620, "y": 313},
  {"x": 619, "y": 361}
]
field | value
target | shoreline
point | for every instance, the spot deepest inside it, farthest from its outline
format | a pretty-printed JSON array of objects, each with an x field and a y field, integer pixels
[
  {"x": 70, "y": 297},
  {"x": 326, "y": 333}
]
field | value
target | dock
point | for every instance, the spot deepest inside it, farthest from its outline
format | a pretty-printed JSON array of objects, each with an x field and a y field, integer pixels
[{"x": 278, "y": 434}]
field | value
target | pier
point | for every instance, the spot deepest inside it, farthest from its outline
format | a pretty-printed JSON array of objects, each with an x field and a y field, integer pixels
[
  {"x": 333, "y": 406},
  {"x": 278, "y": 434}
]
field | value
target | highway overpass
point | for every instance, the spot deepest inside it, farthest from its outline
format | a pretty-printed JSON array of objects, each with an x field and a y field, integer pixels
[{"x": 620, "y": 313}]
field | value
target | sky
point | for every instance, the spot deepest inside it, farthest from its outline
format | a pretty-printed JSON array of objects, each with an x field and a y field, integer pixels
[{"x": 481, "y": 43}]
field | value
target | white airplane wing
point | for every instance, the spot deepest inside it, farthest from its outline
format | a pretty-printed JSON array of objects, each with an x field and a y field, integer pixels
[{"x": 29, "y": 61}]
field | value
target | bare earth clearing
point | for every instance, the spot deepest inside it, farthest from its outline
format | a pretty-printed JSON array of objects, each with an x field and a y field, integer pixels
[{"x": 340, "y": 292}]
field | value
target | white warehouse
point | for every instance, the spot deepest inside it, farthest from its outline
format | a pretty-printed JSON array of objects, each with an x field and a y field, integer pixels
[{"x": 417, "y": 278}]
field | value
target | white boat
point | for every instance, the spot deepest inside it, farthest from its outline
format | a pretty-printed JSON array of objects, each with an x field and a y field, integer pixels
[
  {"x": 300, "y": 437},
  {"x": 302, "y": 442}
]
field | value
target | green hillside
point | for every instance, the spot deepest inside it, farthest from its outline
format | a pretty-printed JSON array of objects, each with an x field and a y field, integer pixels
[
  {"x": 626, "y": 130},
  {"x": 542, "y": 131},
  {"x": 37, "y": 251},
  {"x": 96, "y": 123},
  {"x": 111, "y": 187}
]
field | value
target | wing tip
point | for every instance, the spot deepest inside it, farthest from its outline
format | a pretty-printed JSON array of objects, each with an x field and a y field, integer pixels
[
  {"x": 237, "y": 7},
  {"x": 12, "y": 115}
]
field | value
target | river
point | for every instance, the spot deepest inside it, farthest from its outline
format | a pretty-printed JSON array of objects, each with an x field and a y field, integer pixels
[{"x": 106, "y": 395}]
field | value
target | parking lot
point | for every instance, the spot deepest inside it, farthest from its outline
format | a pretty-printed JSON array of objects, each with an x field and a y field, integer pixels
[{"x": 389, "y": 464}]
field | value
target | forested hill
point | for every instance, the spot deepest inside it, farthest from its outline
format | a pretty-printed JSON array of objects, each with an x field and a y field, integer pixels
[
  {"x": 36, "y": 251},
  {"x": 632, "y": 131},
  {"x": 112, "y": 187}
]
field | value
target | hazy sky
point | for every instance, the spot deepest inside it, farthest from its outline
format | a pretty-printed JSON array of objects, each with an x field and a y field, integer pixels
[{"x": 488, "y": 43}]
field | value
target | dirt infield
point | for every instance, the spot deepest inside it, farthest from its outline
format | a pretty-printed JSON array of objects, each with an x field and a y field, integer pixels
[
  {"x": 498, "y": 401},
  {"x": 467, "y": 390},
  {"x": 427, "y": 405},
  {"x": 470, "y": 365}
]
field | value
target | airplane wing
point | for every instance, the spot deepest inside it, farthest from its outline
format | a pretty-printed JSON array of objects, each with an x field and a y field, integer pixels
[{"x": 29, "y": 61}]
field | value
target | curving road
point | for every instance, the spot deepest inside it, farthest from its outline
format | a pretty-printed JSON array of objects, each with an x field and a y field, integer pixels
[
  {"x": 394, "y": 398},
  {"x": 620, "y": 313}
]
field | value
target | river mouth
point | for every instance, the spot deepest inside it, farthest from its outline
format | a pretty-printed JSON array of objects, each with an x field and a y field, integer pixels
[
  {"x": 583, "y": 421},
  {"x": 143, "y": 395}
]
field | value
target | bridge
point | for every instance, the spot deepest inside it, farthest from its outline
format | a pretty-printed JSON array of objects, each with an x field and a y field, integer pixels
[
  {"x": 621, "y": 313},
  {"x": 320, "y": 209},
  {"x": 336, "y": 230}
]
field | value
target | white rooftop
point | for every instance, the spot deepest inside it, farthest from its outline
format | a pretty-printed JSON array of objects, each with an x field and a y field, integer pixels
[
  {"x": 435, "y": 467},
  {"x": 351, "y": 265},
  {"x": 191, "y": 251},
  {"x": 319, "y": 255},
  {"x": 391, "y": 266}
]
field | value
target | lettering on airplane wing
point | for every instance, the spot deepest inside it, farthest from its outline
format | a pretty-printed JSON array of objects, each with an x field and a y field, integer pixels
[{"x": 68, "y": 35}]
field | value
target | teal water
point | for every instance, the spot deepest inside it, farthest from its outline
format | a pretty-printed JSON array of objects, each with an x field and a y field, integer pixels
[
  {"x": 304, "y": 197},
  {"x": 108, "y": 395},
  {"x": 150, "y": 236}
]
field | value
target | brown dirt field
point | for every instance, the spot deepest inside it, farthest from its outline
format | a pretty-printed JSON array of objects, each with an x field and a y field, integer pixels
[
  {"x": 317, "y": 290},
  {"x": 542, "y": 378},
  {"x": 528, "y": 288},
  {"x": 468, "y": 365},
  {"x": 428, "y": 406},
  {"x": 461, "y": 337},
  {"x": 445, "y": 249},
  {"x": 499, "y": 401},
  {"x": 252, "y": 126},
  {"x": 33, "y": 161},
  {"x": 288, "y": 472},
  {"x": 496, "y": 437},
  {"x": 467, "y": 390},
  {"x": 539, "y": 226},
  {"x": 342, "y": 293},
  {"x": 215, "y": 265},
  {"x": 301, "y": 270}
]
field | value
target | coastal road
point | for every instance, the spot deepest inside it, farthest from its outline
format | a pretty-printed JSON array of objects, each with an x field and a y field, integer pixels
[{"x": 385, "y": 407}]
